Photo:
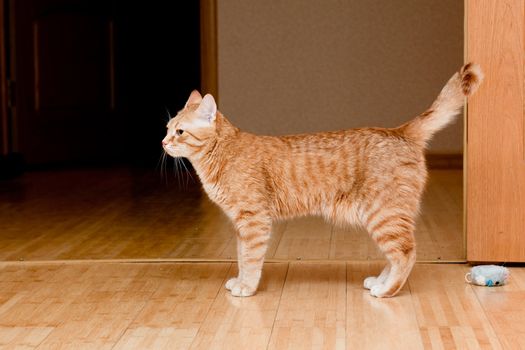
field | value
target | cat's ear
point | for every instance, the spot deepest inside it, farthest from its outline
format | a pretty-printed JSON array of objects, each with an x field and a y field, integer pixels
[
  {"x": 208, "y": 109},
  {"x": 195, "y": 98}
]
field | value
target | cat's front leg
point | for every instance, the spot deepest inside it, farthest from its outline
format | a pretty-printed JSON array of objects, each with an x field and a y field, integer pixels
[
  {"x": 253, "y": 235},
  {"x": 233, "y": 281}
]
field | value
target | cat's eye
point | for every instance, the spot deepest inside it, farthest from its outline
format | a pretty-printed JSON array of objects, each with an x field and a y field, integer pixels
[{"x": 179, "y": 132}]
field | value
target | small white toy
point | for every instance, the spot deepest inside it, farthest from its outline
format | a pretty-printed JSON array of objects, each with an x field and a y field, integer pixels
[{"x": 488, "y": 275}]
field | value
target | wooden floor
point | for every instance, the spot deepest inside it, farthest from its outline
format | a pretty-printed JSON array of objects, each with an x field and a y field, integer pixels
[
  {"x": 132, "y": 214},
  {"x": 301, "y": 305}
]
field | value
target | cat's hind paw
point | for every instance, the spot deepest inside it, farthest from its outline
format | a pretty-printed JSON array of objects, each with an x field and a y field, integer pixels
[
  {"x": 379, "y": 290},
  {"x": 369, "y": 282}
]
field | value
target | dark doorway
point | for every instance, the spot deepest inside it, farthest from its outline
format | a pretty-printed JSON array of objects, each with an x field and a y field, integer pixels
[{"x": 95, "y": 79}]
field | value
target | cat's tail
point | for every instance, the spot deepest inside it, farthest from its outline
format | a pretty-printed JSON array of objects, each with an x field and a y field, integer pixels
[{"x": 447, "y": 105}]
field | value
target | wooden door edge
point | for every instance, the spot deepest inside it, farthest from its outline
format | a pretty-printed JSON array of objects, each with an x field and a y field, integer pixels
[
  {"x": 208, "y": 45},
  {"x": 4, "y": 124},
  {"x": 465, "y": 136}
]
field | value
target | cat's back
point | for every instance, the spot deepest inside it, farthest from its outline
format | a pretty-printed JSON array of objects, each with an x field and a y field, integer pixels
[
  {"x": 368, "y": 150},
  {"x": 366, "y": 143}
]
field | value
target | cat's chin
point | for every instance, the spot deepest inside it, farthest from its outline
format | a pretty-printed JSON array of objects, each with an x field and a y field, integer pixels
[{"x": 172, "y": 154}]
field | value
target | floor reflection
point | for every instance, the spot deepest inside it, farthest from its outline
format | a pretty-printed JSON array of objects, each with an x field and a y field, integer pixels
[{"x": 137, "y": 214}]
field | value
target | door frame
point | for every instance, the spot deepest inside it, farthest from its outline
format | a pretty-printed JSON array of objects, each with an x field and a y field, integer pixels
[
  {"x": 5, "y": 147},
  {"x": 494, "y": 38},
  {"x": 209, "y": 52}
]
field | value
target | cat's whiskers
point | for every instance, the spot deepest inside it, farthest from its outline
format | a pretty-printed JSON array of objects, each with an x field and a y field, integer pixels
[
  {"x": 163, "y": 167},
  {"x": 177, "y": 168},
  {"x": 168, "y": 112},
  {"x": 188, "y": 173},
  {"x": 176, "y": 171},
  {"x": 162, "y": 164},
  {"x": 179, "y": 172}
]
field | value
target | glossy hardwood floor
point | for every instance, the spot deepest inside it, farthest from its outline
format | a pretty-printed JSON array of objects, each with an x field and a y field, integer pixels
[
  {"x": 300, "y": 305},
  {"x": 134, "y": 214}
]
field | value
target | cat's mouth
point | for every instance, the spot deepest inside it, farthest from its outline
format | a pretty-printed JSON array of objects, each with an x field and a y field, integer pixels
[
  {"x": 171, "y": 151},
  {"x": 168, "y": 149}
]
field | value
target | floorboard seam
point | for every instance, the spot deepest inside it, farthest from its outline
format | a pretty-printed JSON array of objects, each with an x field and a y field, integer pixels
[
  {"x": 346, "y": 304},
  {"x": 415, "y": 312},
  {"x": 488, "y": 317},
  {"x": 47, "y": 336},
  {"x": 331, "y": 242},
  {"x": 134, "y": 318},
  {"x": 279, "y": 241},
  {"x": 211, "y": 305},
  {"x": 278, "y": 305}
]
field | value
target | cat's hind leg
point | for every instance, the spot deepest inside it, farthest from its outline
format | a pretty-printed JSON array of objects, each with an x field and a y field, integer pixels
[
  {"x": 346, "y": 213},
  {"x": 402, "y": 266},
  {"x": 393, "y": 233}
]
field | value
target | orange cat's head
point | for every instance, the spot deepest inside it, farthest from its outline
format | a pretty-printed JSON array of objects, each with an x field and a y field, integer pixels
[{"x": 192, "y": 128}]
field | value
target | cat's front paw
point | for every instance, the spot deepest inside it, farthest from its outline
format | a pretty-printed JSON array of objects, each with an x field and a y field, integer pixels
[
  {"x": 239, "y": 289},
  {"x": 231, "y": 282}
]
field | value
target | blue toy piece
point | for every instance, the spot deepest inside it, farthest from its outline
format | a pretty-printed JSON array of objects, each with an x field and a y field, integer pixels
[{"x": 488, "y": 275}]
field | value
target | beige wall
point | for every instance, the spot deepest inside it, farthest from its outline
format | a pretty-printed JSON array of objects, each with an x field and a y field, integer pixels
[{"x": 294, "y": 66}]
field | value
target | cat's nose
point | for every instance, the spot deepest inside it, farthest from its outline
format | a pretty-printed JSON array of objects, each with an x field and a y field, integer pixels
[{"x": 164, "y": 143}]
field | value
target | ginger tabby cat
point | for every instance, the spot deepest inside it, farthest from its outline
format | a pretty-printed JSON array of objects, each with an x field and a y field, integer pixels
[{"x": 372, "y": 177}]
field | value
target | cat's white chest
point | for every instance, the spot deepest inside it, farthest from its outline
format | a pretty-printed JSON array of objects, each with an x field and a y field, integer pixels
[
  {"x": 213, "y": 192},
  {"x": 218, "y": 198}
]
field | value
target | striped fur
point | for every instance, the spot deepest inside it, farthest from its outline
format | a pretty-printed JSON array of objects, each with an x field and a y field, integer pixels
[{"x": 372, "y": 177}]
